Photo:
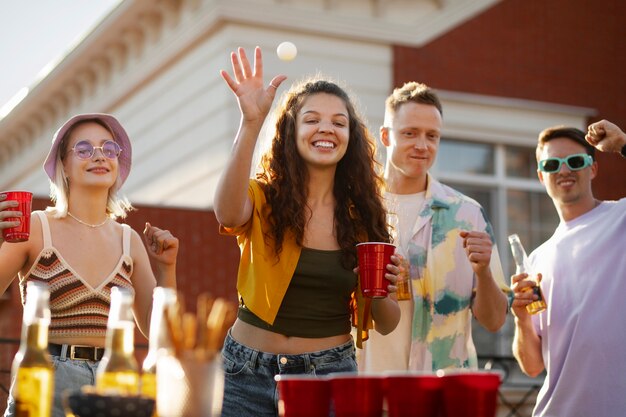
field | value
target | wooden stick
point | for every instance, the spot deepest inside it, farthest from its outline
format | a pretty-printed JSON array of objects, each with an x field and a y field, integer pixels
[
  {"x": 215, "y": 324},
  {"x": 189, "y": 330},
  {"x": 174, "y": 326},
  {"x": 204, "y": 304}
]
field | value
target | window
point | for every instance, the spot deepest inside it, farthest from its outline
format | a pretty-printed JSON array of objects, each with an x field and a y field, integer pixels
[
  {"x": 465, "y": 157},
  {"x": 532, "y": 216},
  {"x": 520, "y": 162},
  {"x": 503, "y": 179}
]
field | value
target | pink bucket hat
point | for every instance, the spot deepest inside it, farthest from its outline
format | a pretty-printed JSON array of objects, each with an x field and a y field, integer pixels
[{"x": 119, "y": 134}]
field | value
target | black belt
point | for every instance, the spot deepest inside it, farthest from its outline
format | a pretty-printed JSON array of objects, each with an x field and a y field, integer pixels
[{"x": 77, "y": 352}]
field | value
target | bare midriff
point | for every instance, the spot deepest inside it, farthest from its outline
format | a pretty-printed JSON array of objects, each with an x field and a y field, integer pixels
[
  {"x": 82, "y": 341},
  {"x": 270, "y": 342}
]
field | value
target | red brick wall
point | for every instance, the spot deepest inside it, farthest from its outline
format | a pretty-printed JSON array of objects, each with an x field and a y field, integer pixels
[
  {"x": 561, "y": 51},
  {"x": 207, "y": 261}
]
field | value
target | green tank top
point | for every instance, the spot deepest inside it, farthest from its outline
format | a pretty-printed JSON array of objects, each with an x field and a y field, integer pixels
[{"x": 317, "y": 302}]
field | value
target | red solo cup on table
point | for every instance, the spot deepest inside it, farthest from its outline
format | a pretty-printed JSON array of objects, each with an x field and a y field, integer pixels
[
  {"x": 357, "y": 395},
  {"x": 303, "y": 395},
  {"x": 470, "y": 394},
  {"x": 413, "y": 394},
  {"x": 19, "y": 233},
  {"x": 373, "y": 259}
]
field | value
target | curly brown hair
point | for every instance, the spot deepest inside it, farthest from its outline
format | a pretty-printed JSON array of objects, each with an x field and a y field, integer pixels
[{"x": 359, "y": 212}]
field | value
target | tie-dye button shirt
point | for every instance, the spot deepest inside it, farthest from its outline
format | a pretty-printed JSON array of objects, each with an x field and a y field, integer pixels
[{"x": 442, "y": 282}]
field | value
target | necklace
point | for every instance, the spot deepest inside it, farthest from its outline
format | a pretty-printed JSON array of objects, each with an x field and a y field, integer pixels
[{"x": 93, "y": 226}]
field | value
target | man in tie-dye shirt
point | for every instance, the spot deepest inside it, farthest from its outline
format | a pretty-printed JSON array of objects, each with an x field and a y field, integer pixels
[{"x": 452, "y": 261}]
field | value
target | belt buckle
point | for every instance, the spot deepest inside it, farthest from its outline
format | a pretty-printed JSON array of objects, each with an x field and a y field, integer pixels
[
  {"x": 73, "y": 353},
  {"x": 96, "y": 349},
  {"x": 91, "y": 349}
]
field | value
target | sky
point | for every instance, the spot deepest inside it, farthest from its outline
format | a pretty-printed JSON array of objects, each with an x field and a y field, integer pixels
[{"x": 34, "y": 34}]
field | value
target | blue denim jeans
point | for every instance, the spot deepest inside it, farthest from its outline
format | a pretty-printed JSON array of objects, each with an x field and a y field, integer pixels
[
  {"x": 249, "y": 386},
  {"x": 69, "y": 375}
]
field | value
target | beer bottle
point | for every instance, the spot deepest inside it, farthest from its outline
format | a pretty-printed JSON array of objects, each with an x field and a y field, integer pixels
[
  {"x": 117, "y": 372},
  {"x": 159, "y": 341},
  {"x": 404, "y": 279},
  {"x": 522, "y": 266},
  {"x": 32, "y": 367}
]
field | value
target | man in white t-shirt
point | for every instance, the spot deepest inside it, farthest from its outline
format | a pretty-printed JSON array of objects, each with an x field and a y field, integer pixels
[
  {"x": 580, "y": 339},
  {"x": 454, "y": 268}
]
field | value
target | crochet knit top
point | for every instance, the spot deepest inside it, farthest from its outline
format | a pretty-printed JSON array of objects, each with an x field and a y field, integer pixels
[{"x": 77, "y": 309}]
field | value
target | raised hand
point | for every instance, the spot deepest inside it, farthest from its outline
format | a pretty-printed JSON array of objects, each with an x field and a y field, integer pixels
[
  {"x": 254, "y": 97},
  {"x": 161, "y": 245},
  {"x": 478, "y": 248},
  {"x": 606, "y": 136}
]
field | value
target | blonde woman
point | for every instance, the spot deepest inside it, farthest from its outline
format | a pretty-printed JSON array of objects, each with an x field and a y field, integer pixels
[{"x": 81, "y": 252}]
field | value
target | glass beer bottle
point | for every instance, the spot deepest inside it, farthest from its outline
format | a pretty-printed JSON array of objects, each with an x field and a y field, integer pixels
[
  {"x": 404, "y": 279},
  {"x": 159, "y": 341},
  {"x": 32, "y": 367},
  {"x": 522, "y": 266},
  {"x": 117, "y": 372},
  {"x": 403, "y": 283}
]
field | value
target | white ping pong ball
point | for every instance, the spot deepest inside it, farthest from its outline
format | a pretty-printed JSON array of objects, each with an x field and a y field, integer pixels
[{"x": 286, "y": 51}]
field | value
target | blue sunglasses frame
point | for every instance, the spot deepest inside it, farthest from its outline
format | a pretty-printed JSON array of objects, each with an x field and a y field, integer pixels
[{"x": 568, "y": 160}]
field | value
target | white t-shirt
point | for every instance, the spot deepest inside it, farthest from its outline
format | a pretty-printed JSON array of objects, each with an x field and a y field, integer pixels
[
  {"x": 403, "y": 211},
  {"x": 583, "y": 329}
]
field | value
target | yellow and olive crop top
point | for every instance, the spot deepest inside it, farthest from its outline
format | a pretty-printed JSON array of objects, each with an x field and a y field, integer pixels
[
  {"x": 317, "y": 301},
  {"x": 263, "y": 278}
]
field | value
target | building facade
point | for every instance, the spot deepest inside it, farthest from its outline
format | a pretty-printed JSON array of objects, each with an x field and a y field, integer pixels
[{"x": 505, "y": 69}]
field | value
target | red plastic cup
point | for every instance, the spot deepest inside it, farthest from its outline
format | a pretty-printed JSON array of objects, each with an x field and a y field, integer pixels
[
  {"x": 357, "y": 395},
  {"x": 21, "y": 232},
  {"x": 471, "y": 394},
  {"x": 303, "y": 395},
  {"x": 413, "y": 394},
  {"x": 373, "y": 260}
]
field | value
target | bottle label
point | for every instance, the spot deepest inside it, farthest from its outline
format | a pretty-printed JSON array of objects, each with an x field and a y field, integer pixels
[
  {"x": 33, "y": 392},
  {"x": 539, "y": 304}
]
